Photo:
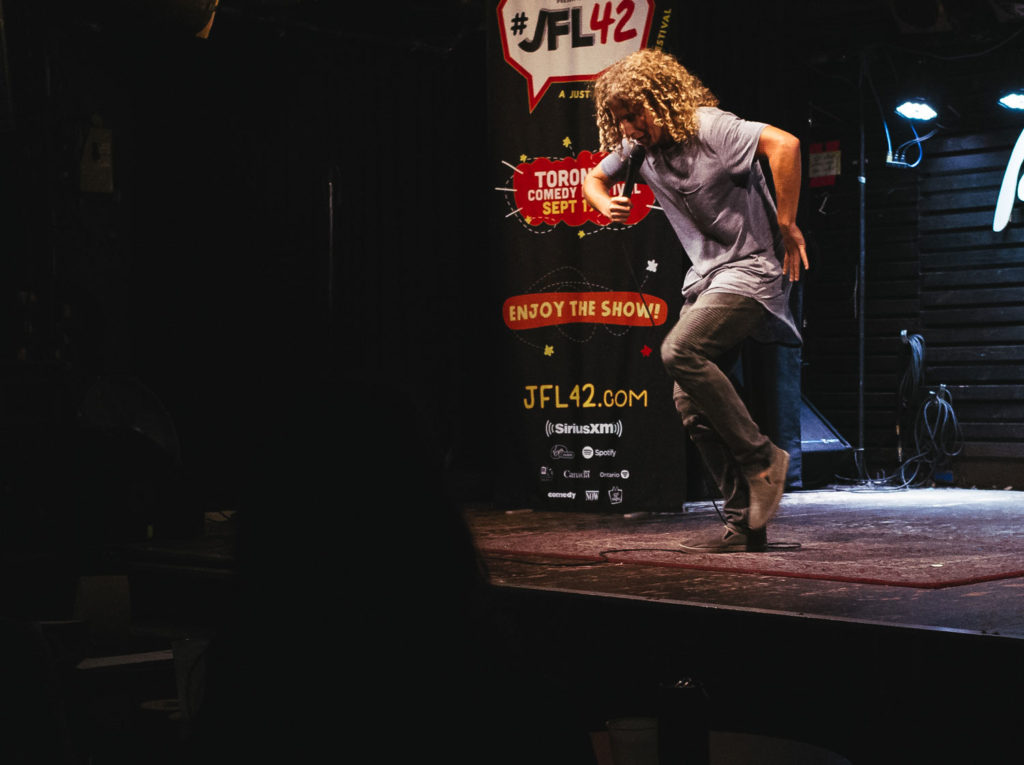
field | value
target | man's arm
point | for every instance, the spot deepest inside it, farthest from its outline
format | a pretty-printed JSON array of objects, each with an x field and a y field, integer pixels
[
  {"x": 782, "y": 150},
  {"x": 597, "y": 189}
]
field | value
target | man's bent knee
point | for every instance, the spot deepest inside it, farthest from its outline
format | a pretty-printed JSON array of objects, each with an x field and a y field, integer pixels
[{"x": 679, "y": 356}]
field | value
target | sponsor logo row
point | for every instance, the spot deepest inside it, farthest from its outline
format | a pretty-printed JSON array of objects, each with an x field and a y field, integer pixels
[
  {"x": 563, "y": 452},
  {"x": 547, "y": 474},
  {"x": 614, "y": 495}
]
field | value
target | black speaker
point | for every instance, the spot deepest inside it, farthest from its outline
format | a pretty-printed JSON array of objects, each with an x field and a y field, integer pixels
[{"x": 826, "y": 453}]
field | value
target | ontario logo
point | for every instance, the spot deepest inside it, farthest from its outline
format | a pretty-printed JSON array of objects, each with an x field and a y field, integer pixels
[{"x": 569, "y": 44}]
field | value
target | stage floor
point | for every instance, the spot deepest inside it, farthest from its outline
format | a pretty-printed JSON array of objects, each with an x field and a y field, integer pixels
[{"x": 932, "y": 559}]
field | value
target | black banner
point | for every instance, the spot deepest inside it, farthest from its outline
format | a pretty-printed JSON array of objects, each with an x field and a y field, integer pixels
[{"x": 587, "y": 420}]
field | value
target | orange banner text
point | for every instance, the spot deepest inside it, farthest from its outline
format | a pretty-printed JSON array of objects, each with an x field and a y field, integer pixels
[{"x": 545, "y": 309}]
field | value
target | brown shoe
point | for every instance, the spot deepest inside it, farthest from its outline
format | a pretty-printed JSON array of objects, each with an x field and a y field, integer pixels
[
  {"x": 730, "y": 540},
  {"x": 766, "y": 489}
]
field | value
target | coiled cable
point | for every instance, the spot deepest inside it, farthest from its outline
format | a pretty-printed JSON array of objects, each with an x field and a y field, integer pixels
[{"x": 937, "y": 436}]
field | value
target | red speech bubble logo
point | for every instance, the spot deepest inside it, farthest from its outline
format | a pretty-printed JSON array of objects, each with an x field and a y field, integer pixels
[
  {"x": 550, "y": 191},
  {"x": 569, "y": 44}
]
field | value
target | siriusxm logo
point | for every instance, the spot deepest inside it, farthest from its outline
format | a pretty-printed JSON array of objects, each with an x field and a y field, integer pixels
[{"x": 583, "y": 429}]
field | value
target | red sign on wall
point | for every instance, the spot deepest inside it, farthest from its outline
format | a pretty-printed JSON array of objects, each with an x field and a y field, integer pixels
[{"x": 824, "y": 162}]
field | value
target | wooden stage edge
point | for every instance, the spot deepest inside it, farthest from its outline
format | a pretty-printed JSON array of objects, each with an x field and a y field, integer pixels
[
  {"x": 875, "y": 673},
  {"x": 951, "y": 522}
]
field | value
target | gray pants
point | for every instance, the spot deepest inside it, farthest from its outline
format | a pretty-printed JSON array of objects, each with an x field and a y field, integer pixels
[{"x": 705, "y": 341}]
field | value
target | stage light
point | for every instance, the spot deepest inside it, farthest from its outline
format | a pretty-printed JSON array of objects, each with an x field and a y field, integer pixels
[
  {"x": 1013, "y": 100},
  {"x": 916, "y": 109}
]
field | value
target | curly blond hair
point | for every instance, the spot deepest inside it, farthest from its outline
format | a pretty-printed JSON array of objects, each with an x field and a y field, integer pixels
[{"x": 654, "y": 79}]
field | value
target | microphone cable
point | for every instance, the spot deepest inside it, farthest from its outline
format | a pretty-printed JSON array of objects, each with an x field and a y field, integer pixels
[
  {"x": 910, "y": 383},
  {"x": 633, "y": 161},
  {"x": 935, "y": 430},
  {"x": 937, "y": 438}
]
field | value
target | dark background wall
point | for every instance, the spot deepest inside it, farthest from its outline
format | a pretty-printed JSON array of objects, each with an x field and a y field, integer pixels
[
  {"x": 308, "y": 185},
  {"x": 932, "y": 264},
  {"x": 298, "y": 188}
]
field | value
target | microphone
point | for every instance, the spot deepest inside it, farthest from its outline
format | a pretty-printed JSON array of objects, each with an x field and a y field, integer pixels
[{"x": 633, "y": 162}]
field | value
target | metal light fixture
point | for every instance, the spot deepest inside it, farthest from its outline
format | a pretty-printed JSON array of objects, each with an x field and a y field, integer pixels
[
  {"x": 1013, "y": 100},
  {"x": 916, "y": 109}
]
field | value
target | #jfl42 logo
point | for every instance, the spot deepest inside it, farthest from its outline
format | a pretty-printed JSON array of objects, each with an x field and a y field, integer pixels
[{"x": 569, "y": 44}]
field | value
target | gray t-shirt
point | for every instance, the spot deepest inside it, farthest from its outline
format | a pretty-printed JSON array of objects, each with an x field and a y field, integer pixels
[{"x": 717, "y": 200}]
